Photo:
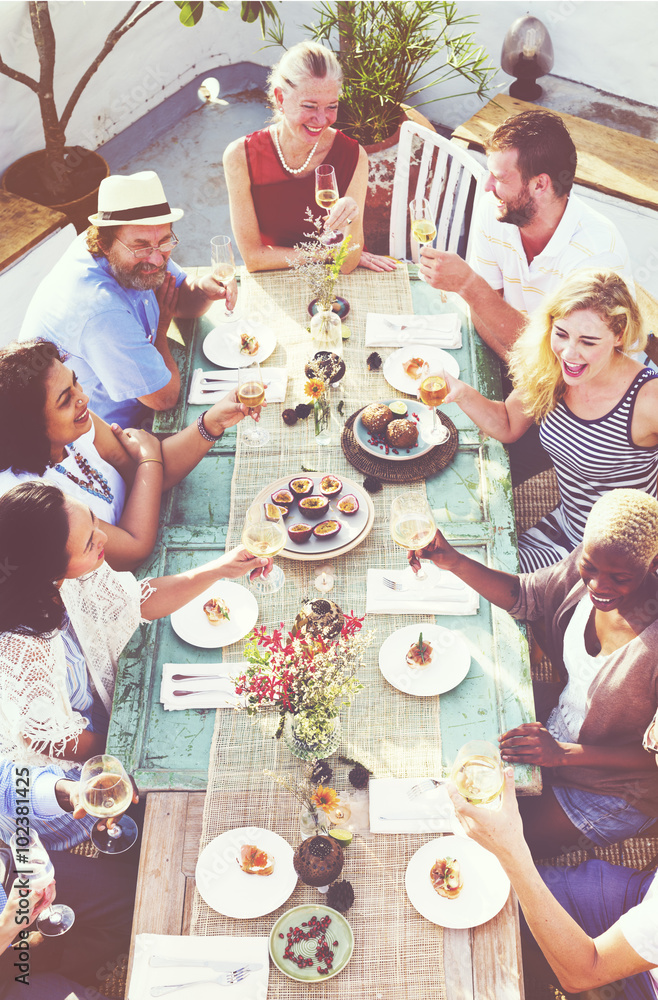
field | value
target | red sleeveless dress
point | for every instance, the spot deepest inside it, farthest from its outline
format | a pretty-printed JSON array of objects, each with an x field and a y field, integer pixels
[{"x": 281, "y": 199}]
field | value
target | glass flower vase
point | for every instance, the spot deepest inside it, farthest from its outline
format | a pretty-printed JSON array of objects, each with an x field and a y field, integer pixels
[
  {"x": 326, "y": 331},
  {"x": 326, "y": 743},
  {"x": 322, "y": 418},
  {"x": 312, "y": 821}
]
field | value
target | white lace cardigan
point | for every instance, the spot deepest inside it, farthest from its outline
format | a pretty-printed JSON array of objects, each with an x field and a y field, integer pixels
[{"x": 36, "y": 717}]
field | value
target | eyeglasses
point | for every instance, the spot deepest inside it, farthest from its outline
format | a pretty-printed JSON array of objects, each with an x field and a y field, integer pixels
[
  {"x": 650, "y": 741},
  {"x": 143, "y": 252}
]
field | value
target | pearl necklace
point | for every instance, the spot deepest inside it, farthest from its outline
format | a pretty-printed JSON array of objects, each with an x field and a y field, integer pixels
[{"x": 292, "y": 170}]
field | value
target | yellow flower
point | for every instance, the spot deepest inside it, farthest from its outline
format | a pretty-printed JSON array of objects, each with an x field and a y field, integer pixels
[
  {"x": 314, "y": 388},
  {"x": 325, "y": 798}
]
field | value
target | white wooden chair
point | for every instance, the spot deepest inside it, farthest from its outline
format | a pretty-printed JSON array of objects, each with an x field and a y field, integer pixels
[{"x": 448, "y": 176}]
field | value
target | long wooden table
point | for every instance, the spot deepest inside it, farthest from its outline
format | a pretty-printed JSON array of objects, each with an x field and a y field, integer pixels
[
  {"x": 472, "y": 501},
  {"x": 614, "y": 162}
]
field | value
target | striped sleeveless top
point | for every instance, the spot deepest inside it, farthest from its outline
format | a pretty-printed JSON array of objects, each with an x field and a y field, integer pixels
[{"x": 592, "y": 457}]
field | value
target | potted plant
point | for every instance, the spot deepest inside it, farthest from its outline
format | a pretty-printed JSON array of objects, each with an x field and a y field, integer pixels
[
  {"x": 64, "y": 177},
  {"x": 392, "y": 51}
]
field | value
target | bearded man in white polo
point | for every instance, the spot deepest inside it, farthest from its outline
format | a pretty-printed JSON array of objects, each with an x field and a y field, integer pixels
[{"x": 109, "y": 300}]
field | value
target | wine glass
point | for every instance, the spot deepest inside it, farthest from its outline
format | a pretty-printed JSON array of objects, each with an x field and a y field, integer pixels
[
  {"x": 433, "y": 390},
  {"x": 423, "y": 227},
  {"x": 326, "y": 195},
  {"x": 412, "y": 527},
  {"x": 264, "y": 535},
  {"x": 32, "y": 862},
  {"x": 478, "y": 774},
  {"x": 222, "y": 263},
  {"x": 107, "y": 791},
  {"x": 251, "y": 392}
]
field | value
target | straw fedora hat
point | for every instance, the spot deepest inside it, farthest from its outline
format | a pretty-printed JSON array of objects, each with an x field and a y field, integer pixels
[{"x": 134, "y": 200}]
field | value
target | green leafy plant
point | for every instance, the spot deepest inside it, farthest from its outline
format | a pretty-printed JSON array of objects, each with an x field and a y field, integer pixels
[
  {"x": 57, "y": 177},
  {"x": 391, "y": 51}
]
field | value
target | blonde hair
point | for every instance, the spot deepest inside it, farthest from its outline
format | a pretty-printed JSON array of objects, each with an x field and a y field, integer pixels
[
  {"x": 307, "y": 60},
  {"x": 535, "y": 370},
  {"x": 625, "y": 519}
]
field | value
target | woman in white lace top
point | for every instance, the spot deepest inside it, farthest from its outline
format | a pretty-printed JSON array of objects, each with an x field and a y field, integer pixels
[
  {"x": 62, "y": 605},
  {"x": 120, "y": 474}
]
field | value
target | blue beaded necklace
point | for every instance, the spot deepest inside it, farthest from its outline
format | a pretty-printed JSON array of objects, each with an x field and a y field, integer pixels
[{"x": 93, "y": 475}]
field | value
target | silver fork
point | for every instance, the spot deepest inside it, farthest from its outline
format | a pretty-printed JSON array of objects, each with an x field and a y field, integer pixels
[
  {"x": 223, "y": 979},
  {"x": 393, "y": 584},
  {"x": 424, "y": 786}
]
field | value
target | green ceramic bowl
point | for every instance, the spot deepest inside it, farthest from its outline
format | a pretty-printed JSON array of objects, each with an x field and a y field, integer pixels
[{"x": 337, "y": 931}]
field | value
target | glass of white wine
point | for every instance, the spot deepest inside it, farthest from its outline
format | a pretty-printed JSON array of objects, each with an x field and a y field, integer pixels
[
  {"x": 264, "y": 535},
  {"x": 107, "y": 792},
  {"x": 433, "y": 390},
  {"x": 423, "y": 227},
  {"x": 222, "y": 262},
  {"x": 478, "y": 774},
  {"x": 32, "y": 863},
  {"x": 326, "y": 196},
  {"x": 251, "y": 392},
  {"x": 412, "y": 527}
]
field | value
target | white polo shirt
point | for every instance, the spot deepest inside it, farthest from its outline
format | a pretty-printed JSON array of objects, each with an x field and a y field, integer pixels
[{"x": 583, "y": 238}]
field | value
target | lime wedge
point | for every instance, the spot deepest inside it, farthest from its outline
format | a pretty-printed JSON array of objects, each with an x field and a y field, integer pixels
[
  {"x": 346, "y": 333},
  {"x": 398, "y": 406},
  {"x": 344, "y": 837}
]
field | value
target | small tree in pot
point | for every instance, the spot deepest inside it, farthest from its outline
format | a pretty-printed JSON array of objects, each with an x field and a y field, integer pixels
[{"x": 64, "y": 173}]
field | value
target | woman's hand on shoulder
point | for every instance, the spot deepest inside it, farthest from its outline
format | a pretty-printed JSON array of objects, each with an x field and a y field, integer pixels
[{"x": 138, "y": 443}]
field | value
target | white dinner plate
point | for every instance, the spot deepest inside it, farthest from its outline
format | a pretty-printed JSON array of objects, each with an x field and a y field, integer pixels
[
  {"x": 396, "y": 376},
  {"x": 354, "y": 527},
  {"x": 378, "y": 448},
  {"x": 191, "y": 625},
  {"x": 451, "y": 660},
  {"x": 228, "y": 890},
  {"x": 222, "y": 345},
  {"x": 485, "y": 891}
]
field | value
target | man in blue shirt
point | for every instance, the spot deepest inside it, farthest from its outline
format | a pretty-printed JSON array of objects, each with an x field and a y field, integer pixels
[{"x": 109, "y": 300}]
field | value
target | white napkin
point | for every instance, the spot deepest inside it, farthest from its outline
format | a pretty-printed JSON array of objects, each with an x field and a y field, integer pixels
[
  {"x": 211, "y": 693},
  {"x": 392, "y": 811},
  {"x": 443, "y": 330},
  {"x": 442, "y": 594},
  {"x": 275, "y": 391},
  {"x": 238, "y": 951}
]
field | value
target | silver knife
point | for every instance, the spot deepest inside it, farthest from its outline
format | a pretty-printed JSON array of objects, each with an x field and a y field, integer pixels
[
  {"x": 199, "y": 677},
  {"x": 199, "y": 691},
  {"x": 159, "y": 962}
]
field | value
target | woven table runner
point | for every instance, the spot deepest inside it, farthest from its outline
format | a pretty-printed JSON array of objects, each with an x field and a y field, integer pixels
[{"x": 397, "y": 952}]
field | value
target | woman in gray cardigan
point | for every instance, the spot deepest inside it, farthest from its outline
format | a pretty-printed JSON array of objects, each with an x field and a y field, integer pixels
[{"x": 596, "y": 618}]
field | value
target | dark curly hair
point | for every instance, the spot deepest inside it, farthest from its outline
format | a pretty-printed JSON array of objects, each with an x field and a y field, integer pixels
[
  {"x": 24, "y": 370},
  {"x": 34, "y": 533}
]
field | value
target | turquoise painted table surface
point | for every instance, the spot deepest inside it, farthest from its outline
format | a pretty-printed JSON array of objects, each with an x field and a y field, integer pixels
[{"x": 472, "y": 502}]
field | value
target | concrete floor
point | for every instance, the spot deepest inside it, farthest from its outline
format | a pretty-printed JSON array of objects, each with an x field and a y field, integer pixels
[{"x": 183, "y": 139}]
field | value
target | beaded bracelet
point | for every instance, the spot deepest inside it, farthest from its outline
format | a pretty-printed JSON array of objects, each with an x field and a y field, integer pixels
[{"x": 202, "y": 429}]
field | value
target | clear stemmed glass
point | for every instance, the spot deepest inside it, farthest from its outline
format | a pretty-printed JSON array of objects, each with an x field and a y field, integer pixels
[
  {"x": 433, "y": 390},
  {"x": 264, "y": 535},
  {"x": 478, "y": 773},
  {"x": 33, "y": 863},
  {"x": 412, "y": 527},
  {"x": 107, "y": 791},
  {"x": 251, "y": 392},
  {"x": 222, "y": 263},
  {"x": 326, "y": 194},
  {"x": 423, "y": 227}
]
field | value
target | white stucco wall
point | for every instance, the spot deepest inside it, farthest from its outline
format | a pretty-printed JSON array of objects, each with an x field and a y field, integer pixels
[{"x": 609, "y": 44}]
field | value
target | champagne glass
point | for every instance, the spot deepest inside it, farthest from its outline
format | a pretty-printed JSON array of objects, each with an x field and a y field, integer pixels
[
  {"x": 264, "y": 535},
  {"x": 222, "y": 263},
  {"x": 412, "y": 527},
  {"x": 478, "y": 774},
  {"x": 32, "y": 862},
  {"x": 107, "y": 791},
  {"x": 251, "y": 392},
  {"x": 433, "y": 390},
  {"x": 423, "y": 227},
  {"x": 326, "y": 195}
]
